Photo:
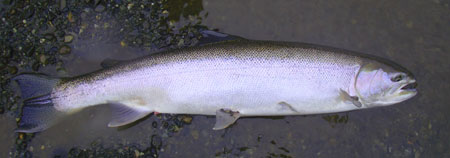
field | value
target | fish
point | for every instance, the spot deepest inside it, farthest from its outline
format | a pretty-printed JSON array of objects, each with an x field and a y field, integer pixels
[{"x": 228, "y": 79}]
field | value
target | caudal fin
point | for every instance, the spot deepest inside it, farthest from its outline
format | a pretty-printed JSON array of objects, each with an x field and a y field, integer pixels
[{"x": 38, "y": 112}]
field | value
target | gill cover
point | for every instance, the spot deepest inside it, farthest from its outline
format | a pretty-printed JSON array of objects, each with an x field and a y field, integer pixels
[{"x": 378, "y": 84}]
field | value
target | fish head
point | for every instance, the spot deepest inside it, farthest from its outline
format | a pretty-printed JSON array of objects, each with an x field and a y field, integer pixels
[{"x": 380, "y": 84}]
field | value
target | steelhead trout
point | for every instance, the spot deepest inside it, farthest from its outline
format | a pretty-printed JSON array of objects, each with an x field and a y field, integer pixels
[{"x": 228, "y": 79}]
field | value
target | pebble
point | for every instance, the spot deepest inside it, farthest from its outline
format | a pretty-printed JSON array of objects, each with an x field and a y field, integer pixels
[
  {"x": 100, "y": 8},
  {"x": 13, "y": 70},
  {"x": 68, "y": 38},
  {"x": 187, "y": 119},
  {"x": 64, "y": 49},
  {"x": 195, "y": 134},
  {"x": 156, "y": 141},
  {"x": 123, "y": 44},
  {"x": 71, "y": 17},
  {"x": 43, "y": 59}
]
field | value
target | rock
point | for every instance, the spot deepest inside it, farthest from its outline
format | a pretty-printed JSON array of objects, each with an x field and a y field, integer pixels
[
  {"x": 2, "y": 65},
  {"x": 43, "y": 59},
  {"x": 68, "y": 38},
  {"x": 64, "y": 49},
  {"x": 100, "y": 8},
  {"x": 71, "y": 17},
  {"x": 123, "y": 44},
  {"x": 156, "y": 141},
  {"x": 195, "y": 134},
  {"x": 62, "y": 4},
  {"x": 35, "y": 66},
  {"x": 187, "y": 119},
  {"x": 13, "y": 70}
]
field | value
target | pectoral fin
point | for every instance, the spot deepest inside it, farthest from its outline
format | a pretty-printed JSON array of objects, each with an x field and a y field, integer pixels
[
  {"x": 224, "y": 118},
  {"x": 288, "y": 106},
  {"x": 351, "y": 99},
  {"x": 123, "y": 114}
]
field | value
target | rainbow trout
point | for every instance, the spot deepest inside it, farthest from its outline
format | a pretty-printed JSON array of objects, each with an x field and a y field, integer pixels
[{"x": 228, "y": 79}]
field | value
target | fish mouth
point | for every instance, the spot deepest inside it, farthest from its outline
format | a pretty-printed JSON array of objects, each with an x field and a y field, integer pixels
[{"x": 410, "y": 87}]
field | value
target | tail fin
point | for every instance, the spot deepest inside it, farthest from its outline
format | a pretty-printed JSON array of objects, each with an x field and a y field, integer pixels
[{"x": 38, "y": 112}]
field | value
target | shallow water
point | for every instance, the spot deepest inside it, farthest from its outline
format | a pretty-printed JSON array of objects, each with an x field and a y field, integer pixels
[{"x": 415, "y": 34}]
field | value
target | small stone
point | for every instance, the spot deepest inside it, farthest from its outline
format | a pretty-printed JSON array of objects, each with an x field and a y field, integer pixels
[
  {"x": 64, "y": 49},
  {"x": 70, "y": 17},
  {"x": 2, "y": 65},
  {"x": 13, "y": 70},
  {"x": 100, "y": 8},
  {"x": 68, "y": 38},
  {"x": 195, "y": 134},
  {"x": 35, "y": 66},
  {"x": 49, "y": 37},
  {"x": 123, "y": 44},
  {"x": 417, "y": 154},
  {"x": 181, "y": 42},
  {"x": 62, "y": 4},
  {"x": 156, "y": 141},
  {"x": 129, "y": 6},
  {"x": 333, "y": 141},
  {"x": 187, "y": 119},
  {"x": 43, "y": 59},
  {"x": 409, "y": 24}
]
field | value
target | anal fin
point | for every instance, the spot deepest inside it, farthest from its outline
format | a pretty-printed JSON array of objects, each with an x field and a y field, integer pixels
[
  {"x": 224, "y": 118},
  {"x": 123, "y": 114}
]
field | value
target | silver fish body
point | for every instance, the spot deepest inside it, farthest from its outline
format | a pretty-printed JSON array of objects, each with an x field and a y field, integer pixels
[{"x": 241, "y": 78}]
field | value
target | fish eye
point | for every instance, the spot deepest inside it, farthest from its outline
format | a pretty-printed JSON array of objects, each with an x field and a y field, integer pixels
[{"x": 397, "y": 78}]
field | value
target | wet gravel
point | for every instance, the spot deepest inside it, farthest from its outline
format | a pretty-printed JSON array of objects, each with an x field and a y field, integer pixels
[{"x": 38, "y": 34}]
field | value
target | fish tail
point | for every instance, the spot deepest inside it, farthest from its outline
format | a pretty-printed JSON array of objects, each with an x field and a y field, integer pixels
[{"x": 38, "y": 111}]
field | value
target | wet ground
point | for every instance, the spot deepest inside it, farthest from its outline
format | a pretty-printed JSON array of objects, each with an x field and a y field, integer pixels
[{"x": 415, "y": 34}]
